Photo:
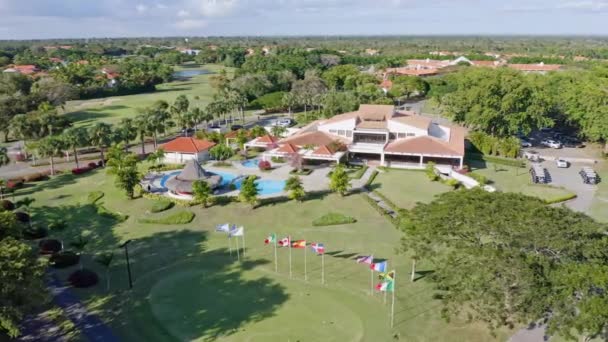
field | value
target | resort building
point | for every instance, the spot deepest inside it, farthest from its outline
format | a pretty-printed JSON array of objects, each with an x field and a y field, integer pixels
[
  {"x": 377, "y": 134},
  {"x": 183, "y": 149}
]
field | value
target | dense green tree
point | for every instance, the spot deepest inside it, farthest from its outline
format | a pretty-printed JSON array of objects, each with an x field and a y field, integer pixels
[
  {"x": 507, "y": 259},
  {"x": 202, "y": 192},
  {"x": 100, "y": 135},
  {"x": 295, "y": 189},
  {"x": 251, "y": 85},
  {"x": 249, "y": 191},
  {"x": 127, "y": 131},
  {"x": 336, "y": 76},
  {"x": 221, "y": 152},
  {"x": 123, "y": 165},
  {"x": 51, "y": 147},
  {"x": 339, "y": 181},
  {"x": 339, "y": 102}
]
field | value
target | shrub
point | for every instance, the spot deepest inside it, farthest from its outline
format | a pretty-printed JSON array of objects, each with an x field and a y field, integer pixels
[
  {"x": 103, "y": 211},
  {"x": 497, "y": 160},
  {"x": 483, "y": 180},
  {"x": 92, "y": 165},
  {"x": 302, "y": 172},
  {"x": 34, "y": 177},
  {"x": 22, "y": 217},
  {"x": 264, "y": 165},
  {"x": 277, "y": 159},
  {"x": 83, "y": 278},
  {"x": 161, "y": 205},
  {"x": 181, "y": 217},
  {"x": 81, "y": 170},
  {"x": 333, "y": 219},
  {"x": 34, "y": 233},
  {"x": 560, "y": 199},
  {"x": 94, "y": 196},
  {"x": 231, "y": 186},
  {"x": 178, "y": 202},
  {"x": 454, "y": 183},
  {"x": 7, "y": 205},
  {"x": 430, "y": 172},
  {"x": 222, "y": 164},
  {"x": 50, "y": 246},
  {"x": 57, "y": 225},
  {"x": 64, "y": 259},
  {"x": 166, "y": 167},
  {"x": 14, "y": 184},
  {"x": 100, "y": 163}
]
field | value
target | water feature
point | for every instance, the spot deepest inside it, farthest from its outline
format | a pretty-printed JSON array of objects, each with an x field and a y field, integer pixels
[
  {"x": 190, "y": 73},
  {"x": 251, "y": 163},
  {"x": 265, "y": 186}
]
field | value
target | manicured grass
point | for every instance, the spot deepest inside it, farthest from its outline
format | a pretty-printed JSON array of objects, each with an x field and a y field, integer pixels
[
  {"x": 513, "y": 179},
  {"x": 188, "y": 286},
  {"x": 333, "y": 219},
  {"x": 599, "y": 207},
  {"x": 161, "y": 205},
  {"x": 112, "y": 109},
  {"x": 180, "y": 217},
  {"x": 94, "y": 196},
  {"x": 405, "y": 187}
]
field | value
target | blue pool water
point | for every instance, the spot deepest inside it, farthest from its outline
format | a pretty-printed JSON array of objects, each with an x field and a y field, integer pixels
[
  {"x": 189, "y": 73},
  {"x": 251, "y": 163},
  {"x": 265, "y": 186}
]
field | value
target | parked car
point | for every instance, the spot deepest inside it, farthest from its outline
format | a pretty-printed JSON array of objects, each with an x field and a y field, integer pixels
[
  {"x": 532, "y": 156},
  {"x": 285, "y": 122},
  {"x": 589, "y": 176},
  {"x": 551, "y": 143},
  {"x": 562, "y": 163},
  {"x": 539, "y": 174},
  {"x": 215, "y": 128},
  {"x": 525, "y": 142},
  {"x": 236, "y": 127},
  {"x": 572, "y": 142}
]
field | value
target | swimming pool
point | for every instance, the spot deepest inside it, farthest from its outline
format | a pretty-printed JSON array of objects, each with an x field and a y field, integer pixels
[
  {"x": 265, "y": 186},
  {"x": 251, "y": 163}
]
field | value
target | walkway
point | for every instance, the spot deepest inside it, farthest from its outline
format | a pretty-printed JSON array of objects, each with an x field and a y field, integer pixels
[{"x": 89, "y": 325}]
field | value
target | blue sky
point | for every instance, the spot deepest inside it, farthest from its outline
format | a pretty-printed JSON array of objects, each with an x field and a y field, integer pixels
[{"x": 22, "y": 19}]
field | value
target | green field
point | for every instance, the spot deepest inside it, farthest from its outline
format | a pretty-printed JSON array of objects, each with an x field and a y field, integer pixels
[
  {"x": 112, "y": 109},
  {"x": 407, "y": 187},
  {"x": 599, "y": 207},
  {"x": 188, "y": 286}
]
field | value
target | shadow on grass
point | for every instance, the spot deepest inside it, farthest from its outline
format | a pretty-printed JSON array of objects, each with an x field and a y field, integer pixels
[
  {"x": 423, "y": 274},
  {"x": 55, "y": 182}
]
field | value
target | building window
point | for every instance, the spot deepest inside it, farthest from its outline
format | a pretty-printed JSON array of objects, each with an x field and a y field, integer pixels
[
  {"x": 411, "y": 134},
  {"x": 392, "y": 136},
  {"x": 333, "y": 131},
  {"x": 341, "y": 132},
  {"x": 401, "y": 135},
  {"x": 349, "y": 134}
]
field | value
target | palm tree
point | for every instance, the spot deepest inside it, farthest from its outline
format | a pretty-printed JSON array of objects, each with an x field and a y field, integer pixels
[
  {"x": 79, "y": 245},
  {"x": 50, "y": 147},
  {"x": 141, "y": 124},
  {"x": 105, "y": 259},
  {"x": 100, "y": 135},
  {"x": 127, "y": 131},
  {"x": 4, "y": 159},
  {"x": 278, "y": 131},
  {"x": 22, "y": 127},
  {"x": 75, "y": 137},
  {"x": 157, "y": 156}
]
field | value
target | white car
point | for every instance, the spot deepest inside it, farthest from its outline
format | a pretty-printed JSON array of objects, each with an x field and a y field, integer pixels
[
  {"x": 551, "y": 143},
  {"x": 286, "y": 122},
  {"x": 562, "y": 163},
  {"x": 525, "y": 143}
]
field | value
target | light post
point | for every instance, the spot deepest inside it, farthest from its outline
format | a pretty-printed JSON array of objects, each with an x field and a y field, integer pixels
[{"x": 124, "y": 245}]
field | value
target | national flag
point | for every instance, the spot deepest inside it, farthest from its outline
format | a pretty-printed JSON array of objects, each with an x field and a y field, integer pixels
[
  {"x": 379, "y": 266},
  {"x": 319, "y": 248},
  {"x": 272, "y": 238},
  {"x": 386, "y": 286},
  {"x": 299, "y": 244},
  {"x": 284, "y": 242},
  {"x": 387, "y": 276},
  {"x": 365, "y": 259},
  {"x": 240, "y": 231},
  {"x": 224, "y": 228}
]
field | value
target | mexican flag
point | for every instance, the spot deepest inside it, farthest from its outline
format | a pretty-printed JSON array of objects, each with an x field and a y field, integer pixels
[
  {"x": 272, "y": 238},
  {"x": 386, "y": 286}
]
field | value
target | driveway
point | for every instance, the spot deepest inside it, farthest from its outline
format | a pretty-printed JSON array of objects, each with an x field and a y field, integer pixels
[{"x": 569, "y": 179}]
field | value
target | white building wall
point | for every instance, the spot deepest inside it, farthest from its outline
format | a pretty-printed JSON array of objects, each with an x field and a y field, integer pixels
[
  {"x": 345, "y": 126},
  {"x": 397, "y": 127},
  {"x": 182, "y": 158}
]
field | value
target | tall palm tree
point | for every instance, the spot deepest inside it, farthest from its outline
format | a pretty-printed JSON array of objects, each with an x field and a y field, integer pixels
[
  {"x": 4, "y": 159},
  {"x": 100, "y": 135},
  {"x": 75, "y": 137},
  {"x": 127, "y": 131},
  {"x": 22, "y": 127},
  {"x": 105, "y": 259},
  {"x": 50, "y": 147},
  {"x": 141, "y": 124}
]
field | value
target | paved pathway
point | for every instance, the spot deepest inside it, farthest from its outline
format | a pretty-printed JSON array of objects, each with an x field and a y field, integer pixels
[{"x": 89, "y": 325}]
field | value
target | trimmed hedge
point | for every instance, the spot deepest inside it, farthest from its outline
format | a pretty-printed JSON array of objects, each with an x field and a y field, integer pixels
[
  {"x": 178, "y": 202},
  {"x": 64, "y": 259},
  {"x": 303, "y": 172},
  {"x": 497, "y": 160},
  {"x": 181, "y": 217},
  {"x": 83, "y": 278},
  {"x": 331, "y": 219},
  {"x": 166, "y": 167},
  {"x": 162, "y": 205},
  {"x": 94, "y": 196},
  {"x": 50, "y": 246},
  {"x": 560, "y": 199},
  {"x": 103, "y": 211},
  {"x": 394, "y": 221}
]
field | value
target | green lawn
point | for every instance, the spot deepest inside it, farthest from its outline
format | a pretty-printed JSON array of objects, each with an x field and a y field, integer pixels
[
  {"x": 512, "y": 179},
  {"x": 112, "y": 109},
  {"x": 188, "y": 286},
  {"x": 406, "y": 187},
  {"x": 599, "y": 207}
]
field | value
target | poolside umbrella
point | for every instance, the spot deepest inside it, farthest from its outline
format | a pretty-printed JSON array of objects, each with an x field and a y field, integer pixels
[{"x": 193, "y": 171}]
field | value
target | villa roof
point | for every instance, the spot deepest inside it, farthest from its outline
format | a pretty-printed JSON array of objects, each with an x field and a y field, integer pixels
[
  {"x": 288, "y": 148},
  {"x": 268, "y": 139},
  {"x": 489, "y": 64},
  {"x": 425, "y": 145},
  {"x": 412, "y": 119},
  {"x": 535, "y": 67},
  {"x": 187, "y": 145},
  {"x": 323, "y": 150},
  {"x": 371, "y": 125},
  {"x": 366, "y": 112},
  {"x": 315, "y": 138},
  {"x": 413, "y": 71}
]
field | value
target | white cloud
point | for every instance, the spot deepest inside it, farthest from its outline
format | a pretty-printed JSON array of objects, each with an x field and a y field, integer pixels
[
  {"x": 183, "y": 13},
  {"x": 218, "y": 8},
  {"x": 161, "y": 6},
  {"x": 190, "y": 24},
  {"x": 585, "y": 5},
  {"x": 141, "y": 8}
]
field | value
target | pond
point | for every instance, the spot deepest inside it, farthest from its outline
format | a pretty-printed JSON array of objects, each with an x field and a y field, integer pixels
[{"x": 190, "y": 73}]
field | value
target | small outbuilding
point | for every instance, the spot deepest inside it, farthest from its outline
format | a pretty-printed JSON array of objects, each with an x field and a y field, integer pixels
[
  {"x": 184, "y": 149},
  {"x": 182, "y": 183}
]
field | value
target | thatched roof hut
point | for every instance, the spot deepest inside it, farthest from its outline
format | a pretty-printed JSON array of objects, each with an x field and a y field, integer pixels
[{"x": 193, "y": 171}]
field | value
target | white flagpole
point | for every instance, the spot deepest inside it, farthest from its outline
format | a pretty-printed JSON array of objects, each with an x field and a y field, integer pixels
[
  {"x": 243, "y": 242},
  {"x": 371, "y": 281},
  {"x": 387, "y": 270},
  {"x": 276, "y": 266},
  {"x": 238, "y": 254},
  {"x": 229, "y": 245},
  {"x": 323, "y": 268},
  {"x": 305, "y": 274},
  {"x": 393, "y": 303},
  {"x": 289, "y": 242}
]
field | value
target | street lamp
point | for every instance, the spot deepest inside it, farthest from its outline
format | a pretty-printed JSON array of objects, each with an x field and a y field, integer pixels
[{"x": 124, "y": 245}]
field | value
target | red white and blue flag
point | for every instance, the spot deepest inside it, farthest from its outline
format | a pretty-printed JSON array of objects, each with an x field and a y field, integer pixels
[
  {"x": 365, "y": 259},
  {"x": 319, "y": 248},
  {"x": 379, "y": 266},
  {"x": 285, "y": 242}
]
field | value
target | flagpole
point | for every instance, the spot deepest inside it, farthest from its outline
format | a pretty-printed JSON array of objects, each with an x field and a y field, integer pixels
[
  {"x": 371, "y": 281},
  {"x": 289, "y": 243},
  {"x": 387, "y": 270},
  {"x": 276, "y": 266},
  {"x": 305, "y": 274},
  {"x": 238, "y": 255},
  {"x": 393, "y": 303},
  {"x": 229, "y": 245},
  {"x": 243, "y": 243},
  {"x": 323, "y": 268}
]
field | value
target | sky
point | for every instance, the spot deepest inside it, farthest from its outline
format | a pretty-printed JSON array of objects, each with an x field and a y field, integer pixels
[{"x": 40, "y": 19}]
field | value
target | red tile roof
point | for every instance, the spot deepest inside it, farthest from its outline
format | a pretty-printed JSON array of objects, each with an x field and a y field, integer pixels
[
  {"x": 413, "y": 72},
  {"x": 323, "y": 151},
  {"x": 535, "y": 67},
  {"x": 27, "y": 69},
  {"x": 288, "y": 148},
  {"x": 268, "y": 139},
  {"x": 316, "y": 138},
  {"x": 187, "y": 145},
  {"x": 425, "y": 145},
  {"x": 488, "y": 64},
  {"x": 386, "y": 84}
]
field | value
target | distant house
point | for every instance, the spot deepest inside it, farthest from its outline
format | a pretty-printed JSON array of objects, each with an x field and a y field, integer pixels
[
  {"x": 386, "y": 85},
  {"x": 540, "y": 68},
  {"x": 28, "y": 69},
  {"x": 189, "y": 51},
  {"x": 372, "y": 52},
  {"x": 183, "y": 149},
  {"x": 265, "y": 141},
  {"x": 111, "y": 75}
]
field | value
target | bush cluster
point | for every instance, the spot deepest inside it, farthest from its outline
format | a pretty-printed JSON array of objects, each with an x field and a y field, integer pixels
[
  {"x": 483, "y": 180},
  {"x": 7, "y": 205},
  {"x": 161, "y": 205},
  {"x": 64, "y": 259},
  {"x": 181, "y": 217},
  {"x": 50, "y": 246},
  {"x": 333, "y": 219},
  {"x": 34, "y": 233},
  {"x": 494, "y": 146},
  {"x": 22, "y": 217},
  {"x": 83, "y": 278},
  {"x": 264, "y": 165}
]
